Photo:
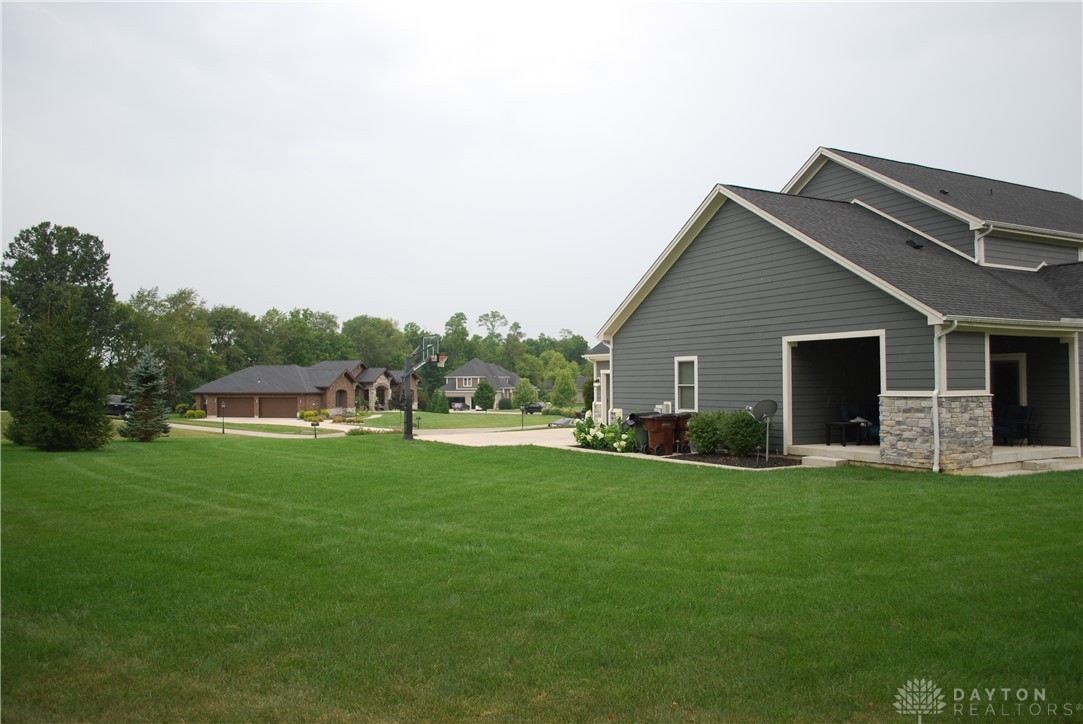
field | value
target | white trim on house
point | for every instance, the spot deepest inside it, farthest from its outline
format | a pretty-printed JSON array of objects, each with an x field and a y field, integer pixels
[
  {"x": 791, "y": 341},
  {"x": 913, "y": 230},
  {"x": 662, "y": 264},
  {"x": 694, "y": 359}
]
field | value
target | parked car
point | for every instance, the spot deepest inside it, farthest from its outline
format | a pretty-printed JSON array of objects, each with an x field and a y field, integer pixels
[
  {"x": 117, "y": 405},
  {"x": 531, "y": 407}
]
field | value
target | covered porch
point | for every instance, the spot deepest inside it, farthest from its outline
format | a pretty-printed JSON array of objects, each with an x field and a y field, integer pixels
[{"x": 1004, "y": 458}]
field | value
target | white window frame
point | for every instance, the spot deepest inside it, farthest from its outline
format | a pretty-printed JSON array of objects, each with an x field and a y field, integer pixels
[
  {"x": 468, "y": 382},
  {"x": 694, "y": 359}
]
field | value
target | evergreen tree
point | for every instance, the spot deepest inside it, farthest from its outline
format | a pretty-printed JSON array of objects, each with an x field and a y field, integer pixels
[
  {"x": 588, "y": 393},
  {"x": 439, "y": 403},
  {"x": 57, "y": 389},
  {"x": 146, "y": 388},
  {"x": 485, "y": 395}
]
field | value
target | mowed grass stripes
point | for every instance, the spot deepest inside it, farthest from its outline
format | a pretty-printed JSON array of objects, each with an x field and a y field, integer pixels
[{"x": 372, "y": 578}]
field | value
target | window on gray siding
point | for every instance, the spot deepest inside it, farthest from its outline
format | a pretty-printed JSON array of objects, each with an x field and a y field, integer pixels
[{"x": 687, "y": 392}]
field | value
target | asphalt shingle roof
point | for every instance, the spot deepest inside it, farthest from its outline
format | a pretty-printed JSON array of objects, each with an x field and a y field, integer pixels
[
  {"x": 494, "y": 372},
  {"x": 985, "y": 198},
  {"x": 278, "y": 379},
  {"x": 941, "y": 279}
]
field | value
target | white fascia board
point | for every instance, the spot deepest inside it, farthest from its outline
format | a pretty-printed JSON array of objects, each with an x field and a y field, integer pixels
[
  {"x": 972, "y": 221},
  {"x": 1032, "y": 231},
  {"x": 1018, "y": 326},
  {"x": 810, "y": 168},
  {"x": 933, "y": 316},
  {"x": 662, "y": 264}
]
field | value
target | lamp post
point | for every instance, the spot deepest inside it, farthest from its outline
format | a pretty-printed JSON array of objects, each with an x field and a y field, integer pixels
[{"x": 222, "y": 414}]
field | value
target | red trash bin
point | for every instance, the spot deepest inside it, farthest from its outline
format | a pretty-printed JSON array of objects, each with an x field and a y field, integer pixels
[{"x": 660, "y": 433}]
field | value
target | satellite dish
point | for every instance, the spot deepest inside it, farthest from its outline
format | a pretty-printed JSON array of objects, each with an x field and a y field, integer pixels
[{"x": 762, "y": 411}]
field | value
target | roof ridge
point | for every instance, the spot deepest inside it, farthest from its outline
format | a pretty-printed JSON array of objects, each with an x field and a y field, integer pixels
[{"x": 954, "y": 173}]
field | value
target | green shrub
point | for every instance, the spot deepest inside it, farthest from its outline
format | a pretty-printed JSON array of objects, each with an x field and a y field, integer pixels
[
  {"x": 310, "y": 415},
  {"x": 182, "y": 408},
  {"x": 706, "y": 431},
  {"x": 505, "y": 404},
  {"x": 743, "y": 433},
  {"x": 195, "y": 414},
  {"x": 438, "y": 403},
  {"x": 324, "y": 413}
]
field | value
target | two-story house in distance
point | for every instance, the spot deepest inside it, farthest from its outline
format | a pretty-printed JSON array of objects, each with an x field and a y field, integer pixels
[{"x": 462, "y": 383}]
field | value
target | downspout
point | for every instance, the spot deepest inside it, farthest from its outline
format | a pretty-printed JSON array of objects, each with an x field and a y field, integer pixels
[{"x": 940, "y": 334}]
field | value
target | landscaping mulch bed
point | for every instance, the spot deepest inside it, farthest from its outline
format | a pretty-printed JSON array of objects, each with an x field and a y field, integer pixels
[{"x": 742, "y": 461}]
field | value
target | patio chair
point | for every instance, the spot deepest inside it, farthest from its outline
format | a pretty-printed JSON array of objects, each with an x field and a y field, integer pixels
[{"x": 1012, "y": 423}]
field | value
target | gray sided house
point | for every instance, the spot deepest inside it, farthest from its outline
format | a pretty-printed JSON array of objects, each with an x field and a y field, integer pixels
[
  {"x": 462, "y": 383},
  {"x": 339, "y": 386},
  {"x": 944, "y": 309},
  {"x": 598, "y": 356}
]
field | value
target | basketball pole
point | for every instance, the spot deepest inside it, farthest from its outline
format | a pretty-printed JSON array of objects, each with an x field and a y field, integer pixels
[{"x": 428, "y": 349}]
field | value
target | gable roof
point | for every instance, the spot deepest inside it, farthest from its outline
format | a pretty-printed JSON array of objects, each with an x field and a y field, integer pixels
[
  {"x": 494, "y": 372},
  {"x": 979, "y": 201},
  {"x": 932, "y": 280},
  {"x": 931, "y": 277}
]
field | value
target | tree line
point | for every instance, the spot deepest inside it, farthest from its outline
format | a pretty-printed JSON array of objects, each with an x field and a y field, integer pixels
[{"x": 57, "y": 277}]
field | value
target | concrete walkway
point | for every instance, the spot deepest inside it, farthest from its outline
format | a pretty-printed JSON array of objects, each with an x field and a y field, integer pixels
[
  {"x": 483, "y": 437},
  {"x": 541, "y": 436}
]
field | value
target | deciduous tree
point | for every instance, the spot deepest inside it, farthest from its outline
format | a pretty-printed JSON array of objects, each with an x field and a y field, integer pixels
[{"x": 485, "y": 395}]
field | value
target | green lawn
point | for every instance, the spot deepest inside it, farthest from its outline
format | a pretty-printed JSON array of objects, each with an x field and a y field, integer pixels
[
  {"x": 460, "y": 420},
  {"x": 225, "y": 578},
  {"x": 252, "y": 426}
]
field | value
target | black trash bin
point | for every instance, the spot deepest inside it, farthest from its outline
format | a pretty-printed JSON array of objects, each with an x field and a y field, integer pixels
[{"x": 635, "y": 422}]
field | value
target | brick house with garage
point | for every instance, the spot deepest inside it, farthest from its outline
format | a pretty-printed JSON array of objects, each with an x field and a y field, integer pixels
[{"x": 339, "y": 386}]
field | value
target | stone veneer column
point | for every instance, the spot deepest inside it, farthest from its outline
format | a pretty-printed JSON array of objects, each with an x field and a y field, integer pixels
[
  {"x": 906, "y": 425},
  {"x": 966, "y": 432}
]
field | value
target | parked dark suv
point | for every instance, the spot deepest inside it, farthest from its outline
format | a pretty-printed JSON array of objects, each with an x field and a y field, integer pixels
[
  {"x": 531, "y": 407},
  {"x": 117, "y": 405}
]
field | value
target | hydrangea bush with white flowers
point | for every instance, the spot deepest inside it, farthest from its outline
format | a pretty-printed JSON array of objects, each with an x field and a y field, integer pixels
[{"x": 603, "y": 437}]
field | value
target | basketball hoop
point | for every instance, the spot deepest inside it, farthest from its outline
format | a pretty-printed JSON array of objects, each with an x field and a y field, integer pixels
[{"x": 440, "y": 360}]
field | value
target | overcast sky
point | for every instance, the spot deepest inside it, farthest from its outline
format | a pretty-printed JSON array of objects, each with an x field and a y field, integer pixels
[{"x": 412, "y": 160}]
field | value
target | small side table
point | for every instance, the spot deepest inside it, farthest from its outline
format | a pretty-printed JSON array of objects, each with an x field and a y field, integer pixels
[{"x": 844, "y": 428}]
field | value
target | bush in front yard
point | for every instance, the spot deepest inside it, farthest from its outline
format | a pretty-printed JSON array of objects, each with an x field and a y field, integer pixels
[
  {"x": 195, "y": 414},
  {"x": 706, "y": 431},
  {"x": 603, "y": 437},
  {"x": 743, "y": 433}
]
